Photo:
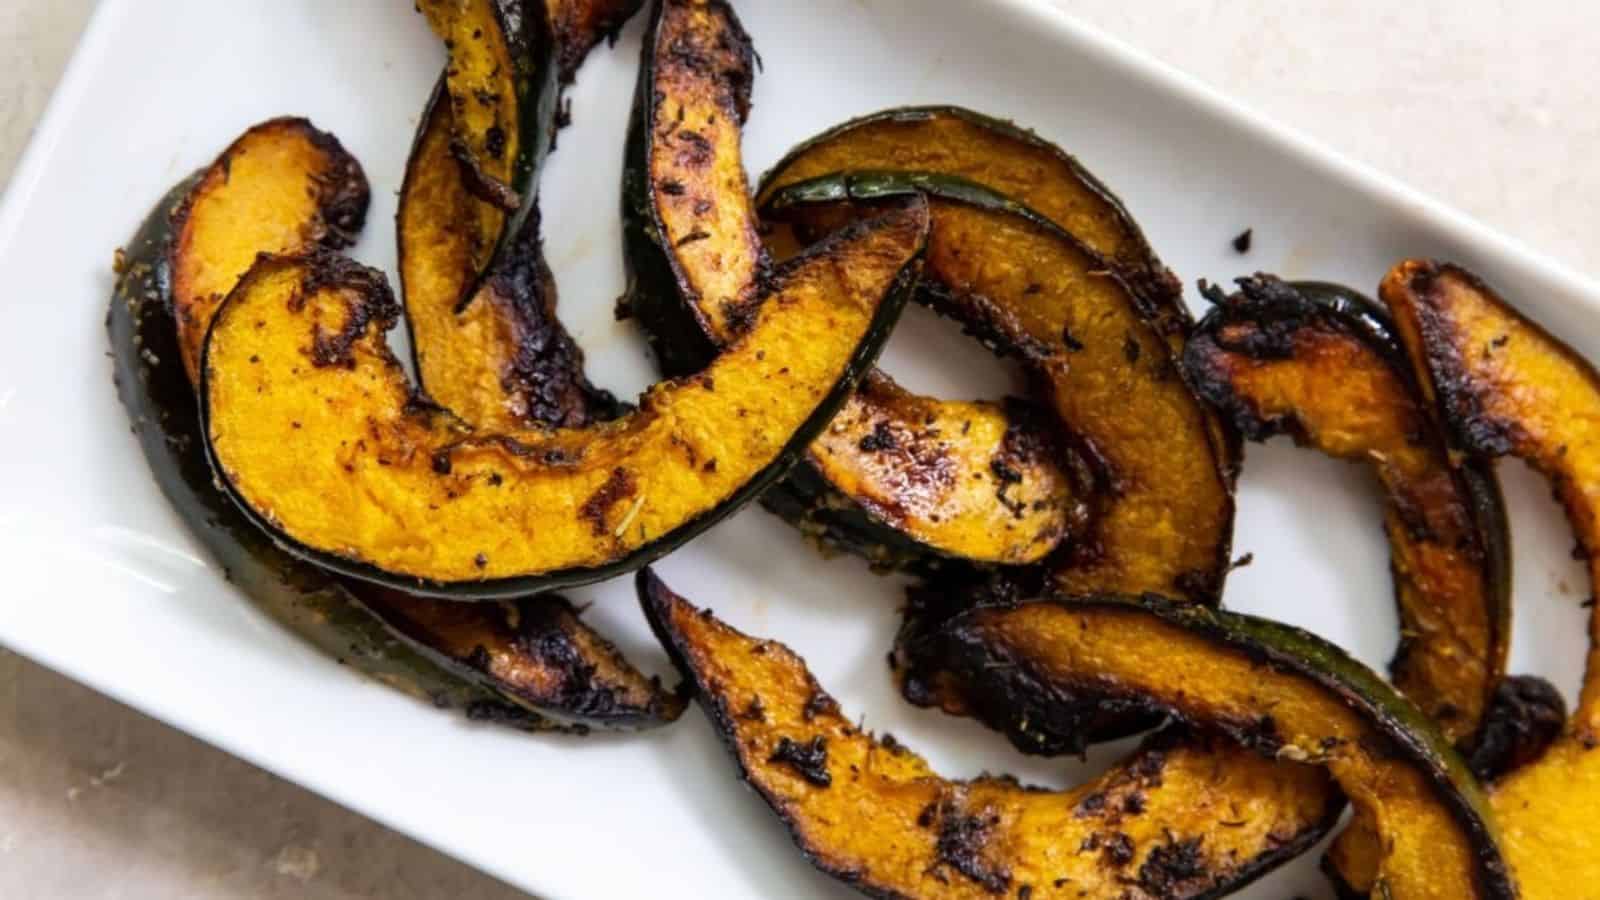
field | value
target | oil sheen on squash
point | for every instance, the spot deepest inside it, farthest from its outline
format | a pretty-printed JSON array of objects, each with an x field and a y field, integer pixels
[
  {"x": 1162, "y": 508},
  {"x": 1181, "y": 817},
  {"x": 1507, "y": 387},
  {"x": 1278, "y": 690},
  {"x": 281, "y": 187},
  {"x": 903, "y": 479},
  {"x": 388, "y": 488},
  {"x": 1281, "y": 360}
]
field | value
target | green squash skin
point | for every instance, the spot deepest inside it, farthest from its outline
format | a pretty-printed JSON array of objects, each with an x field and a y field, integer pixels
[
  {"x": 1150, "y": 279},
  {"x": 1278, "y": 648},
  {"x": 318, "y": 609},
  {"x": 1368, "y": 321},
  {"x": 656, "y": 293},
  {"x": 884, "y": 317}
]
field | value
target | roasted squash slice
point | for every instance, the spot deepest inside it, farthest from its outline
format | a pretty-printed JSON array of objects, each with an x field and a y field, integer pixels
[
  {"x": 1321, "y": 365},
  {"x": 1507, "y": 387},
  {"x": 486, "y": 342},
  {"x": 690, "y": 236},
  {"x": 1163, "y": 506},
  {"x": 384, "y": 487},
  {"x": 1010, "y": 160},
  {"x": 1278, "y": 690},
  {"x": 502, "y": 360},
  {"x": 549, "y": 689},
  {"x": 502, "y": 81},
  {"x": 281, "y": 187},
  {"x": 1185, "y": 816},
  {"x": 902, "y": 479},
  {"x": 578, "y": 25}
]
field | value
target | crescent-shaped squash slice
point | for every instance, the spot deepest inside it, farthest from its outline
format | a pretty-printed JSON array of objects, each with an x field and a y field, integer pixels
[
  {"x": 384, "y": 487},
  {"x": 1507, "y": 387},
  {"x": 502, "y": 81},
  {"x": 905, "y": 480},
  {"x": 490, "y": 349},
  {"x": 534, "y": 652},
  {"x": 578, "y": 25},
  {"x": 549, "y": 690},
  {"x": 1010, "y": 160},
  {"x": 1276, "y": 689},
  {"x": 1183, "y": 817},
  {"x": 1323, "y": 367},
  {"x": 1162, "y": 511},
  {"x": 501, "y": 361},
  {"x": 281, "y": 187}
]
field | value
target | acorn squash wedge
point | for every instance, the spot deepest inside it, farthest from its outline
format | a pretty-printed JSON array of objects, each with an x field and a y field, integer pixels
[
  {"x": 1320, "y": 364},
  {"x": 1272, "y": 688},
  {"x": 905, "y": 480},
  {"x": 1162, "y": 504},
  {"x": 388, "y": 488},
  {"x": 530, "y": 685},
  {"x": 1507, "y": 387},
  {"x": 1184, "y": 816}
]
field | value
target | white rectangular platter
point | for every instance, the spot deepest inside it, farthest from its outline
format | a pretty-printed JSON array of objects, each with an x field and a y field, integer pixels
[{"x": 103, "y": 583}]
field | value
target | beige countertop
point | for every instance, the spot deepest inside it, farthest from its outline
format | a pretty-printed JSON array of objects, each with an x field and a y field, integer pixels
[{"x": 1489, "y": 106}]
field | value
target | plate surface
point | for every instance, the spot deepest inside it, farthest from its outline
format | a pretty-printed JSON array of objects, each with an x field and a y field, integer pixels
[{"x": 104, "y": 584}]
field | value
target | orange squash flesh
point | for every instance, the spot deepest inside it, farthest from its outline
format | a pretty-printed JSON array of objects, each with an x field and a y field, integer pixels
[
  {"x": 1509, "y": 388},
  {"x": 281, "y": 187},
  {"x": 498, "y": 358},
  {"x": 1185, "y": 817}
]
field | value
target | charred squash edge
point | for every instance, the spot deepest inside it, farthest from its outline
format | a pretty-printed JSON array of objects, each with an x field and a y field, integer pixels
[
  {"x": 877, "y": 186},
  {"x": 339, "y": 618},
  {"x": 657, "y": 291},
  {"x": 880, "y": 325},
  {"x": 525, "y": 26},
  {"x": 658, "y": 602},
  {"x": 1152, "y": 281},
  {"x": 340, "y": 193},
  {"x": 544, "y": 368},
  {"x": 1323, "y": 305},
  {"x": 1276, "y": 648}
]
